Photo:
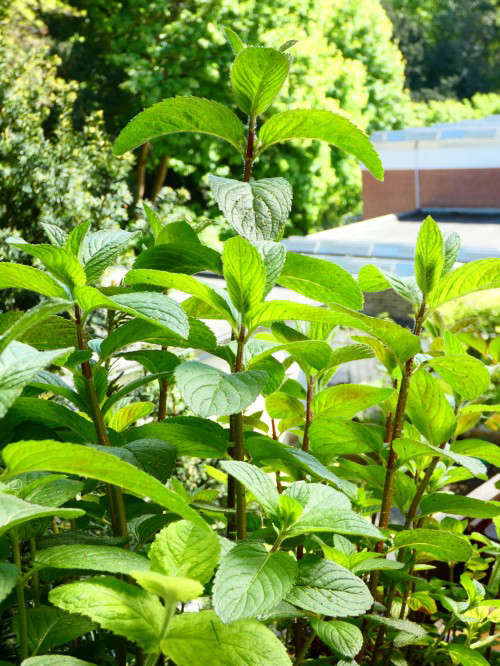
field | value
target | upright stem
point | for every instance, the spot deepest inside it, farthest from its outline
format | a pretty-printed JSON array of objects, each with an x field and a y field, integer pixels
[
  {"x": 21, "y": 605},
  {"x": 237, "y": 451},
  {"x": 162, "y": 400},
  {"x": 141, "y": 173},
  {"x": 35, "y": 577},
  {"x": 309, "y": 396},
  {"x": 388, "y": 492},
  {"x": 161, "y": 174},
  {"x": 397, "y": 429},
  {"x": 115, "y": 496},
  {"x": 247, "y": 172}
]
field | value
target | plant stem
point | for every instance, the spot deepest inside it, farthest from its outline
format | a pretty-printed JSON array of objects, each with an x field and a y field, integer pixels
[
  {"x": 412, "y": 511},
  {"x": 388, "y": 492},
  {"x": 247, "y": 172},
  {"x": 21, "y": 606},
  {"x": 35, "y": 576},
  {"x": 162, "y": 400},
  {"x": 397, "y": 429},
  {"x": 237, "y": 452},
  {"x": 115, "y": 496},
  {"x": 304, "y": 650},
  {"x": 310, "y": 389}
]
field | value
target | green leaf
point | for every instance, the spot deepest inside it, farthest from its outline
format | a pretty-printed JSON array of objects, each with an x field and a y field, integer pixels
[
  {"x": 185, "y": 283},
  {"x": 128, "y": 414},
  {"x": 250, "y": 581},
  {"x": 101, "y": 248},
  {"x": 51, "y": 414},
  {"x": 196, "y": 639},
  {"x": 408, "y": 449},
  {"x": 153, "y": 307},
  {"x": 26, "y": 277},
  {"x": 320, "y": 280},
  {"x": 429, "y": 256},
  {"x": 273, "y": 256},
  {"x": 55, "y": 234},
  {"x": 155, "y": 456},
  {"x": 237, "y": 44},
  {"x": 49, "y": 628},
  {"x": 182, "y": 114},
  {"x": 190, "y": 435},
  {"x": 466, "y": 375},
  {"x": 275, "y": 372},
  {"x": 117, "y": 606},
  {"x": 281, "y": 405},
  {"x": 439, "y": 544},
  {"x": 394, "y": 337},
  {"x": 55, "y": 660},
  {"x": 466, "y": 656},
  {"x": 327, "y": 588},
  {"x": 274, "y": 454},
  {"x": 184, "y": 549},
  {"x": 15, "y": 511},
  {"x": 349, "y": 353},
  {"x": 478, "y": 448},
  {"x": 56, "y": 333},
  {"x": 170, "y": 588},
  {"x": 344, "y": 638},
  {"x": 153, "y": 218},
  {"x": 326, "y": 510},
  {"x": 210, "y": 392},
  {"x": 75, "y": 239},
  {"x": 200, "y": 336},
  {"x": 346, "y": 400},
  {"x": 244, "y": 273},
  {"x": 177, "y": 232},
  {"x": 8, "y": 577},
  {"x": 371, "y": 278},
  {"x": 473, "y": 276},
  {"x": 459, "y": 505},
  {"x": 451, "y": 249},
  {"x": 93, "y": 558},
  {"x": 32, "y": 318},
  {"x": 257, "y": 210},
  {"x": 331, "y": 437},
  {"x": 58, "y": 261},
  {"x": 19, "y": 364},
  {"x": 429, "y": 409},
  {"x": 180, "y": 258},
  {"x": 259, "y": 483},
  {"x": 257, "y": 75},
  {"x": 51, "y": 490},
  {"x": 313, "y": 353},
  {"x": 328, "y": 126},
  {"x": 53, "y": 456},
  {"x": 408, "y": 632}
]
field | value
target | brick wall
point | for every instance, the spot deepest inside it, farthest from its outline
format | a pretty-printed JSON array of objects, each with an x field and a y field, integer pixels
[
  {"x": 395, "y": 195},
  {"x": 463, "y": 188},
  {"x": 439, "y": 188}
]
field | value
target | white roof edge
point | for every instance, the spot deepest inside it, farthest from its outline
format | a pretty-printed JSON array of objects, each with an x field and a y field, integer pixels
[{"x": 487, "y": 128}]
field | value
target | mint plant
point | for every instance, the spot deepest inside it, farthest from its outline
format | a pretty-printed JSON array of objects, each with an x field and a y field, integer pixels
[{"x": 108, "y": 559}]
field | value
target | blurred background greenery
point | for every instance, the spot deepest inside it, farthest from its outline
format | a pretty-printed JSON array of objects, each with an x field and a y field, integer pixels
[{"x": 73, "y": 72}]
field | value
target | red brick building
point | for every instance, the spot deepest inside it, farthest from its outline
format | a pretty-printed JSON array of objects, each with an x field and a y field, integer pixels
[{"x": 447, "y": 167}]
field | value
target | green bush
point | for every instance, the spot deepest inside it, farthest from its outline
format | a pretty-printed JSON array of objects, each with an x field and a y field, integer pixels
[{"x": 296, "y": 552}]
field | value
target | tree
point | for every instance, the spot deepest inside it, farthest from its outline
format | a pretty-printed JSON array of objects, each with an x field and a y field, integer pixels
[
  {"x": 130, "y": 56},
  {"x": 451, "y": 47},
  {"x": 50, "y": 171}
]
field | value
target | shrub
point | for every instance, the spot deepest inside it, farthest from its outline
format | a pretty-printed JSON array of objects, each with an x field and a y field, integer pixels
[{"x": 304, "y": 566}]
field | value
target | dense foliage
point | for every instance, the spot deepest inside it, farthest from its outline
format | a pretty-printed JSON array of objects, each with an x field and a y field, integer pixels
[
  {"x": 451, "y": 47},
  {"x": 299, "y": 552}
]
